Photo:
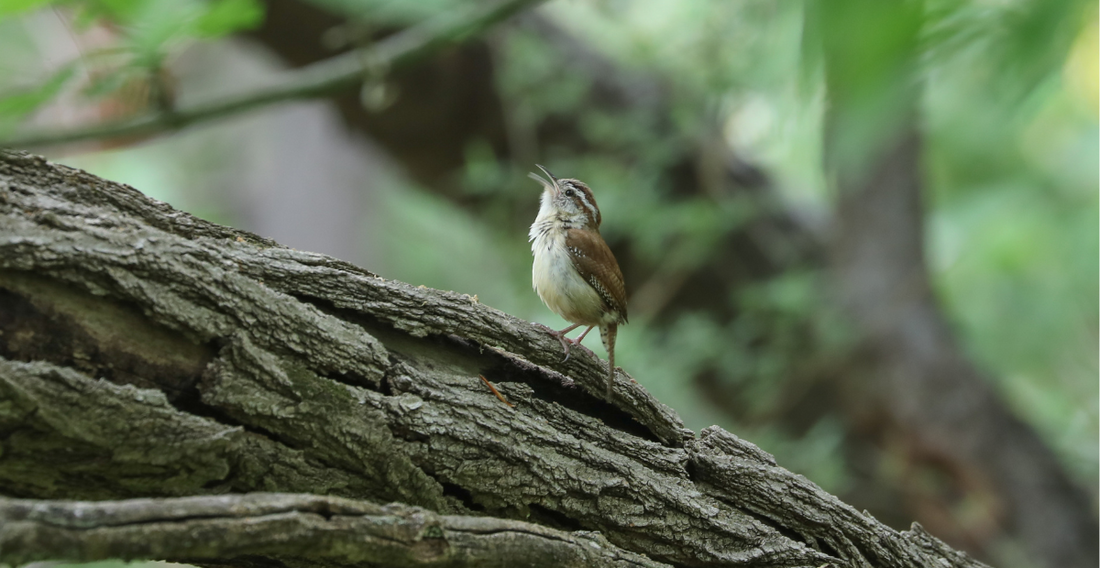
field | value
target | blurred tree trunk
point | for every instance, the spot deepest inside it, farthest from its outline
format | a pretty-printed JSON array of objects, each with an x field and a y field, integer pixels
[
  {"x": 909, "y": 382},
  {"x": 154, "y": 362},
  {"x": 906, "y": 392}
]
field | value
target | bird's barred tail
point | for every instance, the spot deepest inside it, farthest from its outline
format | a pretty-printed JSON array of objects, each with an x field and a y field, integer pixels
[{"x": 607, "y": 334}]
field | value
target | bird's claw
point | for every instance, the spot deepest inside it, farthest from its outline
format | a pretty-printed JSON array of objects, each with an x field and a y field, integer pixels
[
  {"x": 565, "y": 341},
  {"x": 567, "y": 344}
]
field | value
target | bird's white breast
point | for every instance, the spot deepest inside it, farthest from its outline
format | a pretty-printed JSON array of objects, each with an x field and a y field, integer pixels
[{"x": 557, "y": 281}]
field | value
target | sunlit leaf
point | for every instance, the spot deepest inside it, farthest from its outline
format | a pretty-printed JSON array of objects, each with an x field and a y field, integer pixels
[{"x": 1080, "y": 69}]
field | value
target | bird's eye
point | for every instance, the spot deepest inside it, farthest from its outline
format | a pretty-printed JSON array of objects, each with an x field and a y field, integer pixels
[{"x": 569, "y": 193}]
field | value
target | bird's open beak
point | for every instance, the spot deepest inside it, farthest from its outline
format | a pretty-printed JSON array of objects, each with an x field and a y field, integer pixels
[
  {"x": 550, "y": 182},
  {"x": 548, "y": 174}
]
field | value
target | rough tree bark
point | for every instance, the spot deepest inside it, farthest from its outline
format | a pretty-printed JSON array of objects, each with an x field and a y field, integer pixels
[{"x": 157, "y": 361}]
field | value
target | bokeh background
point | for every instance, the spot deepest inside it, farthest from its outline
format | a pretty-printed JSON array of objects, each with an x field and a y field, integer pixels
[{"x": 862, "y": 234}]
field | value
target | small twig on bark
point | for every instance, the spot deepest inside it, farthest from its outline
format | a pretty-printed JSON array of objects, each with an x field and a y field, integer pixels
[{"x": 495, "y": 391}]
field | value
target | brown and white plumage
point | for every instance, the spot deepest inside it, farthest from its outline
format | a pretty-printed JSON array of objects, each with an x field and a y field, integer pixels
[
  {"x": 574, "y": 273},
  {"x": 597, "y": 266}
]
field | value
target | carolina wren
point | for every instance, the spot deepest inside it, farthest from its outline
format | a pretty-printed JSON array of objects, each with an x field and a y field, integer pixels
[{"x": 574, "y": 273}]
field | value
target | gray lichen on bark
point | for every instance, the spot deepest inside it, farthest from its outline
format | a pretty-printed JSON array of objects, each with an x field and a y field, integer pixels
[{"x": 150, "y": 354}]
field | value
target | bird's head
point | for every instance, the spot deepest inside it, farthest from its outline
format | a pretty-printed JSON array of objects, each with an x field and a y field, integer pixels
[{"x": 569, "y": 199}]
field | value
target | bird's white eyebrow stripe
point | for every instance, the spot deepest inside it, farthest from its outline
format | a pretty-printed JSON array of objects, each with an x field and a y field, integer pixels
[{"x": 584, "y": 200}]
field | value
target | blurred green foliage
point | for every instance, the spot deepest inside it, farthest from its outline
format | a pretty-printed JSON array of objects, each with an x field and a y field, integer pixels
[
  {"x": 145, "y": 34},
  {"x": 1012, "y": 157},
  {"x": 15, "y": 106},
  {"x": 149, "y": 25},
  {"x": 1009, "y": 114}
]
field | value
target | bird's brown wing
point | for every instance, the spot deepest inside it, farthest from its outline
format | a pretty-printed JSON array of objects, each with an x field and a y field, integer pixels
[{"x": 593, "y": 260}]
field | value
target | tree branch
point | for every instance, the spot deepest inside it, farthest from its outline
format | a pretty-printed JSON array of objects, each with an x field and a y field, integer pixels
[
  {"x": 289, "y": 528},
  {"x": 317, "y": 80},
  {"x": 147, "y": 353}
]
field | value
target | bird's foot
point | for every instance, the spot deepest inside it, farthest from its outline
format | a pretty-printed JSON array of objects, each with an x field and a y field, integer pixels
[
  {"x": 565, "y": 342},
  {"x": 576, "y": 343}
]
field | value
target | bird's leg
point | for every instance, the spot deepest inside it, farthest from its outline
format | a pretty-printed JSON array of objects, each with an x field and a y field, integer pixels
[
  {"x": 578, "y": 340},
  {"x": 565, "y": 341}
]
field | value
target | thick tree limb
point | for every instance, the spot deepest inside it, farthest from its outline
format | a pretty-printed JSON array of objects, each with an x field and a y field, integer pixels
[
  {"x": 147, "y": 353},
  {"x": 323, "y": 529},
  {"x": 318, "y": 80}
]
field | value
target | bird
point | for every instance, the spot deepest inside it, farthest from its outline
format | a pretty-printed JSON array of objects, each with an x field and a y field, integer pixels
[{"x": 574, "y": 272}]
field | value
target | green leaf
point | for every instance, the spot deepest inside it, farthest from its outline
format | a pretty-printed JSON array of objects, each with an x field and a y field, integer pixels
[
  {"x": 20, "y": 103},
  {"x": 9, "y": 7},
  {"x": 118, "y": 11},
  {"x": 227, "y": 16}
]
